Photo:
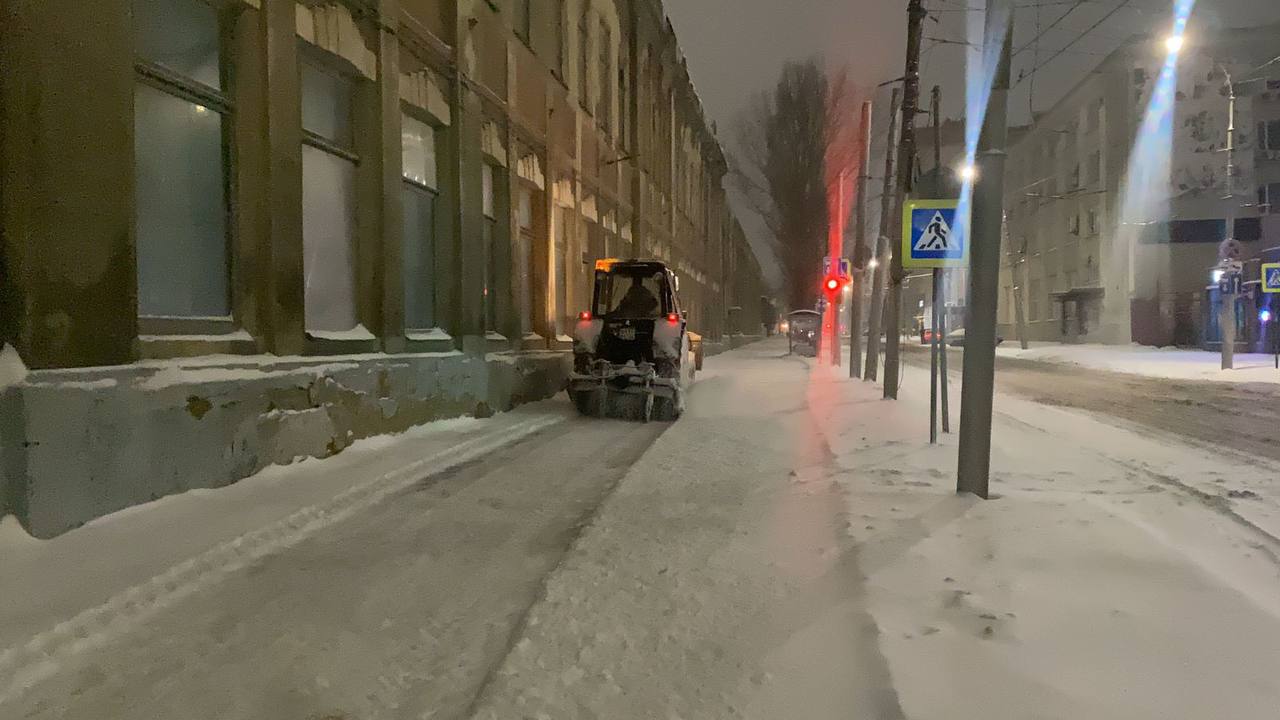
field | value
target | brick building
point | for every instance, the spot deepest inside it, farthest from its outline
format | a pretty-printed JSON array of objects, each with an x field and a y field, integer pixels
[{"x": 257, "y": 229}]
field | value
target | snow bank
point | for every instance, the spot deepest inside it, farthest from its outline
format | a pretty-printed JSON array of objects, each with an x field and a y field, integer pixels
[
  {"x": 359, "y": 332},
  {"x": 13, "y": 537},
  {"x": 12, "y": 369},
  {"x": 1172, "y": 363},
  {"x": 1119, "y": 574}
]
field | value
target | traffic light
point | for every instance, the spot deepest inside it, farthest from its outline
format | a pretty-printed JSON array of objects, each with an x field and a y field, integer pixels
[{"x": 833, "y": 284}]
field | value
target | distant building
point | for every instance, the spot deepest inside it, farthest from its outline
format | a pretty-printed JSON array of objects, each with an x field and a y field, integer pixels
[{"x": 1078, "y": 270}]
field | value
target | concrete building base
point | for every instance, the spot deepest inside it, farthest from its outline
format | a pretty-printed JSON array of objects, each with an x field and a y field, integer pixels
[{"x": 79, "y": 444}]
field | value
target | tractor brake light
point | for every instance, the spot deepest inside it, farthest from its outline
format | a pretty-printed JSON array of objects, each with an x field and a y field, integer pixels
[
  {"x": 673, "y": 318},
  {"x": 585, "y": 316}
]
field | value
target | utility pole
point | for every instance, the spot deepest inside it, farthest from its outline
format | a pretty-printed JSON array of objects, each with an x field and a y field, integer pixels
[
  {"x": 906, "y": 155},
  {"x": 978, "y": 389},
  {"x": 1019, "y": 268},
  {"x": 939, "y": 274},
  {"x": 837, "y": 251},
  {"x": 1227, "y": 311},
  {"x": 859, "y": 255},
  {"x": 881, "y": 259}
]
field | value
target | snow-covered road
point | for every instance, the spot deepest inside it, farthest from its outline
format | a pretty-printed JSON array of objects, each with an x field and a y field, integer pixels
[
  {"x": 791, "y": 548},
  {"x": 401, "y": 610}
]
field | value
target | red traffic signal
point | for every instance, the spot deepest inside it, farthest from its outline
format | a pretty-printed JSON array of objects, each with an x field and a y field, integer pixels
[{"x": 833, "y": 284}]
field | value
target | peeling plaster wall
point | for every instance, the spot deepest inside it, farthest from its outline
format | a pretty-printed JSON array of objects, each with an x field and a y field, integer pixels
[{"x": 80, "y": 444}]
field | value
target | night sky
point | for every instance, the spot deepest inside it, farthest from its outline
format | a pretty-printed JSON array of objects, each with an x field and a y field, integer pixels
[{"x": 736, "y": 47}]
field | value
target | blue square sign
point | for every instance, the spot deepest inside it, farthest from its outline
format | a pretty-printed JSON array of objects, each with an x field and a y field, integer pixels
[
  {"x": 1271, "y": 278},
  {"x": 931, "y": 235}
]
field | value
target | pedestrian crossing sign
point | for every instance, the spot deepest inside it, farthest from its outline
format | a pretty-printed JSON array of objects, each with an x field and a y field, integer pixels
[
  {"x": 1271, "y": 278},
  {"x": 931, "y": 237}
]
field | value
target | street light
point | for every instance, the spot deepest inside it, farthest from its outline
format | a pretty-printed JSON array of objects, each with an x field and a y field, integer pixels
[
  {"x": 967, "y": 173},
  {"x": 1173, "y": 43},
  {"x": 873, "y": 263}
]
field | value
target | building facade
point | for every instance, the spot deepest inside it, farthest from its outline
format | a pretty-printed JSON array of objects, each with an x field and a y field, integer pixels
[
  {"x": 398, "y": 200},
  {"x": 1079, "y": 266}
]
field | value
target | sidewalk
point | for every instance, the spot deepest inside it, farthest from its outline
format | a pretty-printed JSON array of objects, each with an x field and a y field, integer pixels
[
  {"x": 110, "y": 574},
  {"x": 1171, "y": 363},
  {"x": 797, "y": 550}
]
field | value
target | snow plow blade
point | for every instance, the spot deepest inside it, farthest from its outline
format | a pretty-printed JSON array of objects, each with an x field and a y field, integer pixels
[{"x": 627, "y": 392}]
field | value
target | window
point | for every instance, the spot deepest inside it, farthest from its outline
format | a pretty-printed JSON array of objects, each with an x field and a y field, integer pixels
[
  {"x": 562, "y": 220},
  {"x": 632, "y": 293},
  {"x": 1073, "y": 223},
  {"x": 1074, "y": 181},
  {"x": 1093, "y": 222},
  {"x": 420, "y": 189},
  {"x": 1095, "y": 168},
  {"x": 524, "y": 19},
  {"x": 180, "y": 161},
  {"x": 328, "y": 201},
  {"x": 584, "y": 62},
  {"x": 1269, "y": 199},
  {"x": 488, "y": 238},
  {"x": 1093, "y": 120},
  {"x": 523, "y": 261},
  {"x": 624, "y": 97},
  {"x": 604, "y": 98},
  {"x": 1269, "y": 135}
]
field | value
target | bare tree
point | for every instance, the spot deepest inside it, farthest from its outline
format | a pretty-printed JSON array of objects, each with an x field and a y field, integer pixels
[{"x": 792, "y": 146}]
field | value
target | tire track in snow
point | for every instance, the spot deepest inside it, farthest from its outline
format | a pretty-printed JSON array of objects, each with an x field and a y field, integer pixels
[{"x": 619, "y": 464}]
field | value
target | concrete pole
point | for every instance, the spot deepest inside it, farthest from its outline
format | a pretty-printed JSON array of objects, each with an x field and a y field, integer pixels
[
  {"x": 1227, "y": 312},
  {"x": 940, "y": 283},
  {"x": 906, "y": 155},
  {"x": 876, "y": 314},
  {"x": 977, "y": 392},
  {"x": 859, "y": 254},
  {"x": 1019, "y": 270}
]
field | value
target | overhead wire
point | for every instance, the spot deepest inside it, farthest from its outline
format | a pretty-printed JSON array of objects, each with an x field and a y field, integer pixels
[
  {"x": 1041, "y": 65},
  {"x": 1042, "y": 32}
]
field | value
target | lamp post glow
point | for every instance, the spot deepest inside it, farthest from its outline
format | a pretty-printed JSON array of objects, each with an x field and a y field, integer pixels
[
  {"x": 967, "y": 173},
  {"x": 1173, "y": 43}
]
